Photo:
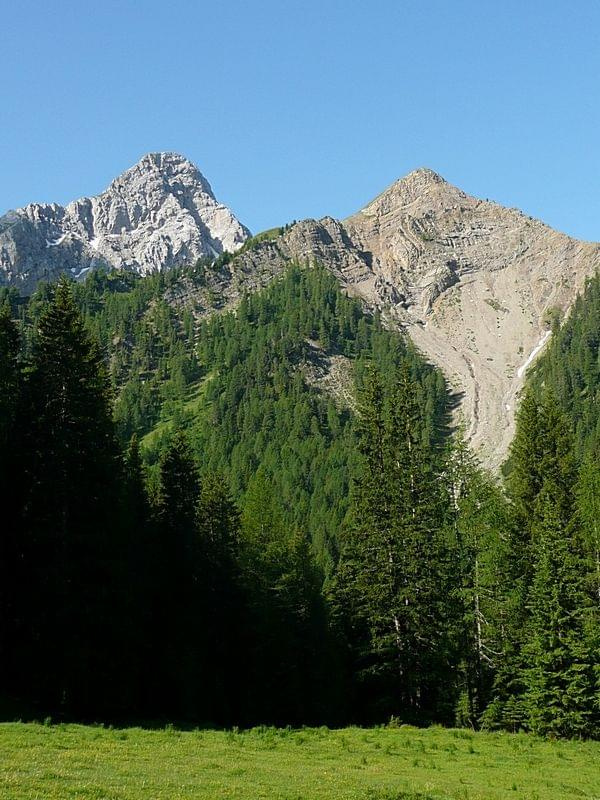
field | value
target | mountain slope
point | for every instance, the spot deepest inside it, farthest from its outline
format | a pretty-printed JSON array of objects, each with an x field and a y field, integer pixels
[
  {"x": 266, "y": 391},
  {"x": 473, "y": 283},
  {"x": 158, "y": 214},
  {"x": 479, "y": 283},
  {"x": 570, "y": 369}
]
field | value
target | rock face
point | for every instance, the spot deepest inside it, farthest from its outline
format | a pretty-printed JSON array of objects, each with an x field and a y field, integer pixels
[
  {"x": 478, "y": 284},
  {"x": 158, "y": 214},
  {"x": 474, "y": 285}
]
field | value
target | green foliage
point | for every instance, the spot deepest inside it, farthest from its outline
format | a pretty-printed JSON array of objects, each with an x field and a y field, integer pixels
[
  {"x": 67, "y": 481},
  {"x": 548, "y": 676},
  {"x": 148, "y": 346},
  {"x": 195, "y": 577},
  {"x": 393, "y": 584},
  {"x": 480, "y": 527},
  {"x": 570, "y": 367},
  {"x": 261, "y": 413},
  {"x": 258, "y": 410}
]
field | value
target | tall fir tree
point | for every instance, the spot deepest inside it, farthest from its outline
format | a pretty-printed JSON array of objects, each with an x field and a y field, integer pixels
[
  {"x": 221, "y": 604},
  {"x": 11, "y": 486},
  {"x": 137, "y": 581},
  {"x": 68, "y": 552},
  {"x": 286, "y": 635},
  {"x": 562, "y": 652},
  {"x": 391, "y": 588},
  {"x": 546, "y": 678},
  {"x": 176, "y": 572},
  {"x": 588, "y": 507},
  {"x": 480, "y": 525}
]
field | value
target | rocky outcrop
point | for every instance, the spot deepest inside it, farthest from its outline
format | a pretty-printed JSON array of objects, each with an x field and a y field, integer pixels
[{"x": 158, "y": 214}]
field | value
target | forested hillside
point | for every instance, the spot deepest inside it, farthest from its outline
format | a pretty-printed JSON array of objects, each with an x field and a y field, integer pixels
[
  {"x": 241, "y": 382},
  {"x": 570, "y": 368},
  {"x": 263, "y": 516}
]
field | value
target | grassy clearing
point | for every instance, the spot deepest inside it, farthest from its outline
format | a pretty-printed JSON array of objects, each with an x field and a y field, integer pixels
[
  {"x": 195, "y": 403},
  {"x": 73, "y": 761}
]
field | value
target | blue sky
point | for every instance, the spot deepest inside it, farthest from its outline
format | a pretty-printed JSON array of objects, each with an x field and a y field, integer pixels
[{"x": 295, "y": 109}]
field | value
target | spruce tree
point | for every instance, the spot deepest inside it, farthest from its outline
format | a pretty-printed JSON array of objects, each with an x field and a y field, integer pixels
[
  {"x": 11, "y": 487},
  {"x": 286, "y": 636},
  {"x": 562, "y": 652},
  {"x": 221, "y": 601},
  {"x": 69, "y": 553},
  {"x": 546, "y": 679},
  {"x": 391, "y": 587},
  {"x": 480, "y": 527},
  {"x": 588, "y": 507},
  {"x": 523, "y": 483},
  {"x": 136, "y": 586},
  {"x": 10, "y": 380},
  {"x": 176, "y": 573}
]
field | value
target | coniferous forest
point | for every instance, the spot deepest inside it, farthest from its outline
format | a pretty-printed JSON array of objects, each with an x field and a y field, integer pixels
[{"x": 201, "y": 526}]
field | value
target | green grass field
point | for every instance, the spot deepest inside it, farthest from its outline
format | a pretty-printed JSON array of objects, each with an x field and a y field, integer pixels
[
  {"x": 73, "y": 761},
  {"x": 195, "y": 403}
]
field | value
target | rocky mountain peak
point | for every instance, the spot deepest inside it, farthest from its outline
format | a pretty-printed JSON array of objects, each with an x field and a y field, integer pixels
[
  {"x": 418, "y": 181},
  {"x": 173, "y": 170},
  {"x": 158, "y": 214},
  {"x": 471, "y": 282},
  {"x": 420, "y": 191}
]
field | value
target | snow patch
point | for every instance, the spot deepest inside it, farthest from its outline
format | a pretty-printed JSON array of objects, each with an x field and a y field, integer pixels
[
  {"x": 56, "y": 242},
  {"x": 95, "y": 242},
  {"x": 533, "y": 354}
]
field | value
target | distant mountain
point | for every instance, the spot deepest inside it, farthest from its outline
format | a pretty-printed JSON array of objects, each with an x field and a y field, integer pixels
[
  {"x": 160, "y": 213},
  {"x": 474, "y": 284}
]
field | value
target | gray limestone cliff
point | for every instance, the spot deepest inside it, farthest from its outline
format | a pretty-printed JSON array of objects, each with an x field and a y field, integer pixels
[{"x": 158, "y": 214}]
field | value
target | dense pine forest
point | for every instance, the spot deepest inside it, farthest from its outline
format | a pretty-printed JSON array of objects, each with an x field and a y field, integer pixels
[{"x": 263, "y": 515}]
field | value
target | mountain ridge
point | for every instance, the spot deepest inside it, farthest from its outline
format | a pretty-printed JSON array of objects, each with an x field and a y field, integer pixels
[{"x": 473, "y": 283}]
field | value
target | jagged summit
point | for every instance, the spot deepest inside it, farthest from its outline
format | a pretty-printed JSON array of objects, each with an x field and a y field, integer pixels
[
  {"x": 164, "y": 158},
  {"x": 170, "y": 167},
  {"x": 158, "y": 214},
  {"x": 421, "y": 177}
]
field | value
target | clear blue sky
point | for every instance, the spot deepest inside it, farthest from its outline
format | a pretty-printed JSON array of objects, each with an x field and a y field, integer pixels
[{"x": 295, "y": 109}]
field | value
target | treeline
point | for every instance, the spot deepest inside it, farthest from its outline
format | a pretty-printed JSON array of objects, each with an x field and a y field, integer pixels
[{"x": 241, "y": 577}]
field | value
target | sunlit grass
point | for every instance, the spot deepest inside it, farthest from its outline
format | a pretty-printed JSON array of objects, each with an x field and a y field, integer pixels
[{"x": 73, "y": 761}]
